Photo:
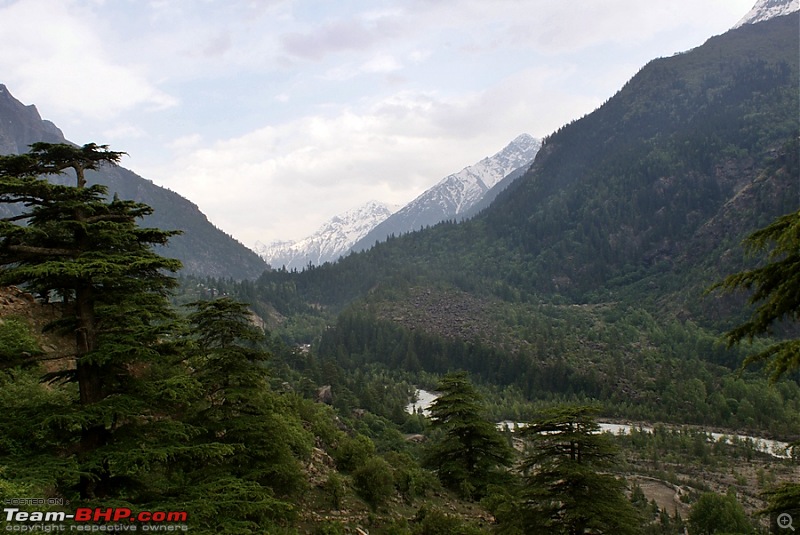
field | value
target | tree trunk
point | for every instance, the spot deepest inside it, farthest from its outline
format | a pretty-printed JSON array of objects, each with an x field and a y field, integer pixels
[{"x": 90, "y": 385}]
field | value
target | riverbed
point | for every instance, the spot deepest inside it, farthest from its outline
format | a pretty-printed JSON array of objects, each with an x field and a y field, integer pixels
[{"x": 776, "y": 448}]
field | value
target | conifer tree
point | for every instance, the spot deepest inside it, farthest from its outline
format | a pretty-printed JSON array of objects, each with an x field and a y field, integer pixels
[
  {"x": 783, "y": 499},
  {"x": 471, "y": 448},
  {"x": 775, "y": 290},
  {"x": 71, "y": 243},
  {"x": 236, "y": 408},
  {"x": 567, "y": 488}
]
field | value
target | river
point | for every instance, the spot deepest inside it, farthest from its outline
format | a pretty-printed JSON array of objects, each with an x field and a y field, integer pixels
[{"x": 776, "y": 448}]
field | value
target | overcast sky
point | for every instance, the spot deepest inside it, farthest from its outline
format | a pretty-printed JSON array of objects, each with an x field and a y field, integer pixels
[{"x": 274, "y": 115}]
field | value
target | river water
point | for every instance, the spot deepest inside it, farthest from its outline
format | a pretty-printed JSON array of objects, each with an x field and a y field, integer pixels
[{"x": 776, "y": 448}]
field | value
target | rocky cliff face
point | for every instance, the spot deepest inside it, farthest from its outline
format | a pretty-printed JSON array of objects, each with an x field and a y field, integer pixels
[
  {"x": 22, "y": 125},
  {"x": 204, "y": 249}
]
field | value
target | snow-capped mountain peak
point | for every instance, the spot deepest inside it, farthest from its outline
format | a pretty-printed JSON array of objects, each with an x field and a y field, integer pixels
[
  {"x": 455, "y": 195},
  {"x": 330, "y": 241},
  {"x": 458, "y": 192},
  {"x": 361, "y": 227},
  {"x": 768, "y": 9}
]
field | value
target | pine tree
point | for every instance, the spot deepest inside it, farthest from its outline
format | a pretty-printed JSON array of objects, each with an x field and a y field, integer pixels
[
  {"x": 471, "y": 448},
  {"x": 567, "y": 486},
  {"x": 236, "y": 408},
  {"x": 784, "y": 499},
  {"x": 73, "y": 244}
]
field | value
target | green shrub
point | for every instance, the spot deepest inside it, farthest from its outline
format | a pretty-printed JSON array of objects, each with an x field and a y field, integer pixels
[
  {"x": 434, "y": 522},
  {"x": 16, "y": 340},
  {"x": 335, "y": 488},
  {"x": 352, "y": 453},
  {"x": 373, "y": 481},
  {"x": 410, "y": 479},
  {"x": 329, "y": 528}
]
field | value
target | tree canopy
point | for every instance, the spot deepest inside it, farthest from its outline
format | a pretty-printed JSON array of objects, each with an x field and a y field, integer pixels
[
  {"x": 567, "y": 486},
  {"x": 716, "y": 513},
  {"x": 775, "y": 293},
  {"x": 72, "y": 244},
  {"x": 471, "y": 448}
]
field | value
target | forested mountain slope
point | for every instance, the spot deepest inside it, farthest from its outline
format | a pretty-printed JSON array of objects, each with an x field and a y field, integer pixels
[
  {"x": 628, "y": 202},
  {"x": 626, "y": 190}
]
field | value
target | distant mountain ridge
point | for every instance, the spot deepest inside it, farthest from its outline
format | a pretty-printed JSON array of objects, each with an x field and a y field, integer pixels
[
  {"x": 204, "y": 249},
  {"x": 333, "y": 239},
  {"x": 459, "y": 195},
  {"x": 455, "y": 195}
]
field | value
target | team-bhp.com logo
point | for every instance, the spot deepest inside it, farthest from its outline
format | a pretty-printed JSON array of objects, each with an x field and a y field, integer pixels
[{"x": 94, "y": 519}]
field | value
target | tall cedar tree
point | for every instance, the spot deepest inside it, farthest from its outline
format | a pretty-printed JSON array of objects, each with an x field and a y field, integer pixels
[
  {"x": 71, "y": 242},
  {"x": 471, "y": 449},
  {"x": 567, "y": 488},
  {"x": 247, "y": 492}
]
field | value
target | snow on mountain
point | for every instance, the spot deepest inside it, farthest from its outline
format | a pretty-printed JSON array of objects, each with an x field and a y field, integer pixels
[
  {"x": 769, "y": 9},
  {"x": 455, "y": 194},
  {"x": 333, "y": 239}
]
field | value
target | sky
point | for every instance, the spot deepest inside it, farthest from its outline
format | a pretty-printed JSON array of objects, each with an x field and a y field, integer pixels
[{"x": 275, "y": 115}]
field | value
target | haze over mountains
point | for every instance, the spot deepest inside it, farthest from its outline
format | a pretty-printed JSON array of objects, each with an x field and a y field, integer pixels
[{"x": 457, "y": 196}]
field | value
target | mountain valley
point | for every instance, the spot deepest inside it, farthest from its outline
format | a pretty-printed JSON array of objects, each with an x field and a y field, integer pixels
[{"x": 559, "y": 283}]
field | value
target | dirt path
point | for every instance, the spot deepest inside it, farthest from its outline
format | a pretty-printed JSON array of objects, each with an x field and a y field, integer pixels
[{"x": 666, "y": 495}]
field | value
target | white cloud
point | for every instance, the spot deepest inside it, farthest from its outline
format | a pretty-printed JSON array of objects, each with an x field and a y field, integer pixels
[
  {"x": 274, "y": 115},
  {"x": 124, "y": 131},
  {"x": 49, "y": 51},
  {"x": 190, "y": 142},
  {"x": 282, "y": 181},
  {"x": 382, "y": 63}
]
